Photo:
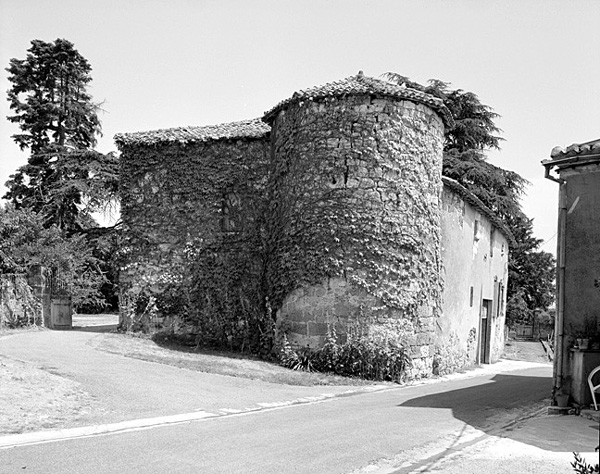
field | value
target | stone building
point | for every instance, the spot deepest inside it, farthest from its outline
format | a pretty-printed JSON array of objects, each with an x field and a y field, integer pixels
[
  {"x": 331, "y": 209},
  {"x": 578, "y": 267}
]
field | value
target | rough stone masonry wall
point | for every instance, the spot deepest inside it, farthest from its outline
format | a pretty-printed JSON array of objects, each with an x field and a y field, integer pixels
[
  {"x": 18, "y": 303},
  {"x": 192, "y": 248},
  {"x": 354, "y": 219}
]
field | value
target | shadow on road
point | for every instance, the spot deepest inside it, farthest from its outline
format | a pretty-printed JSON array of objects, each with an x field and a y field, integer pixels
[
  {"x": 505, "y": 399},
  {"x": 188, "y": 345},
  {"x": 95, "y": 322},
  {"x": 104, "y": 328}
]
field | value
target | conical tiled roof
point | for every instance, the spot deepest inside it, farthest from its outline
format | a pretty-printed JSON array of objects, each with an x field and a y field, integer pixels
[
  {"x": 254, "y": 128},
  {"x": 363, "y": 85}
]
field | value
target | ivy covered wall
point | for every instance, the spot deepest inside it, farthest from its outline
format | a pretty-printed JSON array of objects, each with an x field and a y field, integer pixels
[
  {"x": 325, "y": 212},
  {"x": 193, "y": 251},
  {"x": 25, "y": 298}
]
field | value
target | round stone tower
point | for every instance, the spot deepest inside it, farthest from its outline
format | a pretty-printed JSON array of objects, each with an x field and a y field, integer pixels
[{"x": 354, "y": 224}]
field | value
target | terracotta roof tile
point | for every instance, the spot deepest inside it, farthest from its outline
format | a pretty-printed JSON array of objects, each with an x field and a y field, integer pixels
[
  {"x": 581, "y": 149},
  {"x": 254, "y": 128},
  {"x": 359, "y": 85}
]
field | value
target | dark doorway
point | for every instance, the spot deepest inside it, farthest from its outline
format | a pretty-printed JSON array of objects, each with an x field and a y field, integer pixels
[{"x": 484, "y": 332}]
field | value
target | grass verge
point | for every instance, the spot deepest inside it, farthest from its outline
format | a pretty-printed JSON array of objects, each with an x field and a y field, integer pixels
[
  {"x": 33, "y": 399},
  {"x": 231, "y": 364}
]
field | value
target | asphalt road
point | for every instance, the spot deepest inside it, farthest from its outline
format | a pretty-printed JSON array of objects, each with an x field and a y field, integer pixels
[
  {"x": 128, "y": 389},
  {"x": 340, "y": 435}
]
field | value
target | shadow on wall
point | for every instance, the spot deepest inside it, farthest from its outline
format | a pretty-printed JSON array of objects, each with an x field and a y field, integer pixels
[{"x": 505, "y": 398}]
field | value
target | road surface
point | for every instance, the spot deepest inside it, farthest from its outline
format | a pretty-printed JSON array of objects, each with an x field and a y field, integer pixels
[
  {"x": 339, "y": 435},
  {"x": 234, "y": 425}
]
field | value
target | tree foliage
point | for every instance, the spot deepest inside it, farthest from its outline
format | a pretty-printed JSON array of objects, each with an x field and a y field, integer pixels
[
  {"x": 531, "y": 271},
  {"x": 500, "y": 189},
  {"x": 64, "y": 179},
  {"x": 530, "y": 274},
  {"x": 25, "y": 240},
  {"x": 474, "y": 128},
  {"x": 50, "y": 99}
]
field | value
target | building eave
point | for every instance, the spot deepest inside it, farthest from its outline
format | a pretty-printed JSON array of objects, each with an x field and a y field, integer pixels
[{"x": 478, "y": 204}]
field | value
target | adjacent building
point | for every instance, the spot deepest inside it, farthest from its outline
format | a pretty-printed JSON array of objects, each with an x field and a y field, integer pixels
[{"x": 577, "y": 335}]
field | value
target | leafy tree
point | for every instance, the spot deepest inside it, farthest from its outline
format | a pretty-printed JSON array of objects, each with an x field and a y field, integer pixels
[
  {"x": 107, "y": 244},
  {"x": 64, "y": 179},
  {"x": 26, "y": 241},
  {"x": 530, "y": 274},
  {"x": 500, "y": 189},
  {"x": 531, "y": 271}
]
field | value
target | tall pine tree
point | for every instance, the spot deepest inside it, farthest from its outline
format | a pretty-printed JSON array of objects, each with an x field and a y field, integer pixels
[{"x": 64, "y": 178}]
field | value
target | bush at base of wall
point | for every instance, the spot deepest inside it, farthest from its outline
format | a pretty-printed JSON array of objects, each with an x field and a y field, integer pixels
[
  {"x": 449, "y": 357},
  {"x": 360, "y": 355}
]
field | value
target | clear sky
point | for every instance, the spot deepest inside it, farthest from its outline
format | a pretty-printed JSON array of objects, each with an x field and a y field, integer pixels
[{"x": 159, "y": 64}]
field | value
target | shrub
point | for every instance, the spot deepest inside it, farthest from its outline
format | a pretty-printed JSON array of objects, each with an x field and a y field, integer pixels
[
  {"x": 25, "y": 242},
  {"x": 448, "y": 358},
  {"x": 580, "y": 466},
  {"x": 204, "y": 293},
  {"x": 360, "y": 355}
]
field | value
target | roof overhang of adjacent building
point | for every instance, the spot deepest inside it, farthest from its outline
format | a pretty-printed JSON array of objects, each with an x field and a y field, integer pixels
[{"x": 576, "y": 155}]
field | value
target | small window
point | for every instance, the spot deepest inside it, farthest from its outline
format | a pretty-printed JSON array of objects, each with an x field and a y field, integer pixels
[
  {"x": 477, "y": 230},
  {"x": 229, "y": 206},
  {"x": 471, "y": 297},
  {"x": 492, "y": 241}
]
